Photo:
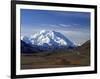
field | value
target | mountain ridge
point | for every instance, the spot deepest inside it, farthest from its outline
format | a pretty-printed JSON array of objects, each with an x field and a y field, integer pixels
[{"x": 47, "y": 40}]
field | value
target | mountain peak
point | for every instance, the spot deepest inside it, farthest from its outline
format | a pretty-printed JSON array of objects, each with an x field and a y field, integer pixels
[
  {"x": 43, "y": 31},
  {"x": 46, "y": 31}
]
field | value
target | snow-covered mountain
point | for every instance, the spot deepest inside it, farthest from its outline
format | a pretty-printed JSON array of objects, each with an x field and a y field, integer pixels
[{"x": 46, "y": 40}]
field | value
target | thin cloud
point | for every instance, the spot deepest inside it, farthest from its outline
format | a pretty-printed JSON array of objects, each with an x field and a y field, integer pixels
[{"x": 64, "y": 25}]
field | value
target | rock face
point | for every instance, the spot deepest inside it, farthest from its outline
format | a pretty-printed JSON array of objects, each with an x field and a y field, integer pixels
[
  {"x": 44, "y": 41},
  {"x": 85, "y": 48}
]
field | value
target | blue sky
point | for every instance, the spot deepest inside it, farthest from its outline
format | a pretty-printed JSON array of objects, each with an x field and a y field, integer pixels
[{"x": 74, "y": 25}]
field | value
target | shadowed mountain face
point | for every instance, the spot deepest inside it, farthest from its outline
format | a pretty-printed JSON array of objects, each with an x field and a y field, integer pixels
[
  {"x": 28, "y": 48},
  {"x": 86, "y": 45},
  {"x": 85, "y": 48}
]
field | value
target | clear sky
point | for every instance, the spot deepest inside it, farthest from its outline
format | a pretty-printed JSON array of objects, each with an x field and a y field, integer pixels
[{"x": 74, "y": 25}]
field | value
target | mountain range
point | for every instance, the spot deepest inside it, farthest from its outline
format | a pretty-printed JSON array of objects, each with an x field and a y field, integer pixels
[{"x": 45, "y": 41}]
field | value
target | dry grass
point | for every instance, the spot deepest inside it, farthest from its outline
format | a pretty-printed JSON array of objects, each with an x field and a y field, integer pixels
[{"x": 58, "y": 59}]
